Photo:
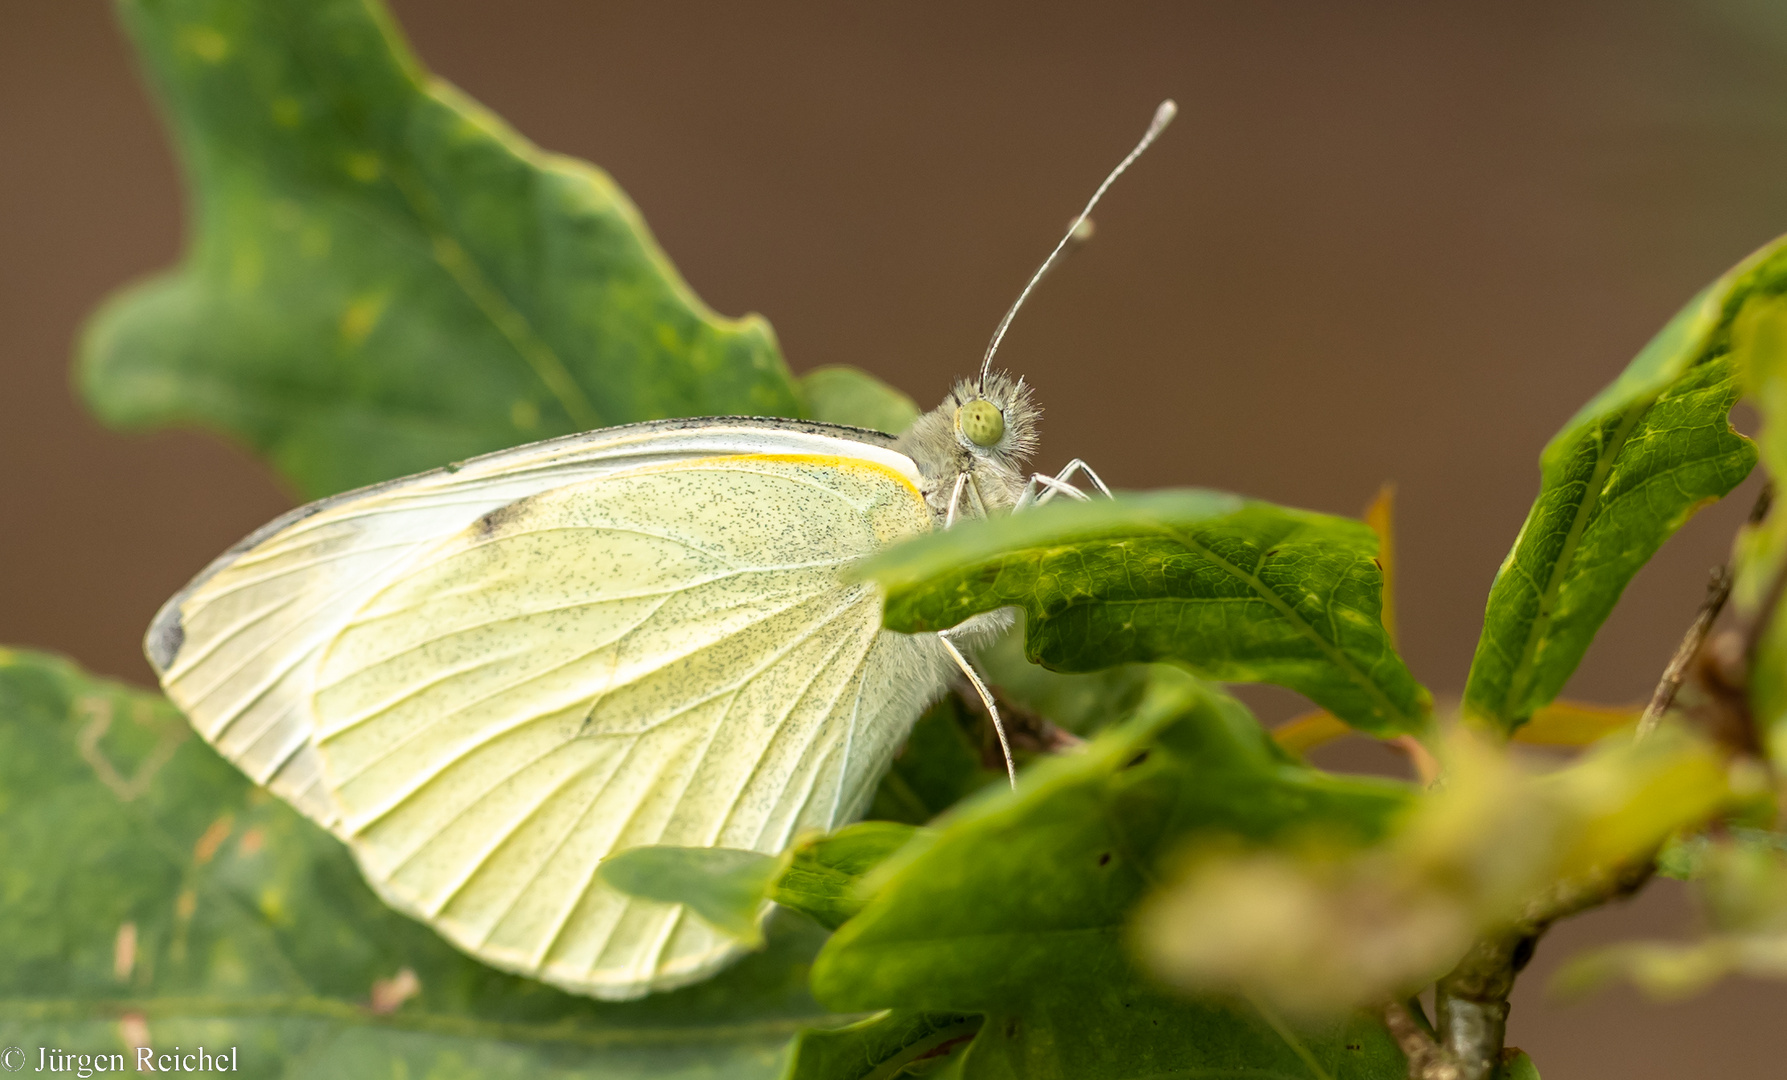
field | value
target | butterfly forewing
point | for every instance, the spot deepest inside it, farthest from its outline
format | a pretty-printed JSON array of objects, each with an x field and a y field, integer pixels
[{"x": 237, "y": 649}]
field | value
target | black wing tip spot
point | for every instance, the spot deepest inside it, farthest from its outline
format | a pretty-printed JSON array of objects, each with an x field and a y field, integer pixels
[
  {"x": 162, "y": 644},
  {"x": 494, "y": 522}
]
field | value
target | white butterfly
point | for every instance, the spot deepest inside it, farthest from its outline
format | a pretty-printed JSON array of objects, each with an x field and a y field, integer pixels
[{"x": 487, "y": 678}]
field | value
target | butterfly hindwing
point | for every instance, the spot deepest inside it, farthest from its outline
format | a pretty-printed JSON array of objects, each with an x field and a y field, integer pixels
[{"x": 659, "y": 652}]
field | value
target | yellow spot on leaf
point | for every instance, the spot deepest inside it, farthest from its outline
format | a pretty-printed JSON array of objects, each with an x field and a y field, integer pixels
[
  {"x": 205, "y": 43},
  {"x": 361, "y": 315},
  {"x": 186, "y": 904},
  {"x": 667, "y": 338},
  {"x": 287, "y": 112},
  {"x": 251, "y": 842},
  {"x": 364, "y": 167},
  {"x": 525, "y": 415},
  {"x": 272, "y": 905}
]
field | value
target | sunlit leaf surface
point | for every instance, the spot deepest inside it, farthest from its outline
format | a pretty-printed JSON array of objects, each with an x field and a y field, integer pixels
[
  {"x": 382, "y": 276},
  {"x": 1236, "y": 590},
  {"x": 1628, "y": 470}
]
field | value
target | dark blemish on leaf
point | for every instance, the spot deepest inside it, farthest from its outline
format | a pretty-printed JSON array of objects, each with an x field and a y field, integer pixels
[
  {"x": 1105, "y": 859},
  {"x": 1269, "y": 554},
  {"x": 1379, "y": 564},
  {"x": 944, "y": 1049},
  {"x": 1011, "y": 1028},
  {"x": 1355, "y": 1046},
  {"x": 1137, "y": 760}
]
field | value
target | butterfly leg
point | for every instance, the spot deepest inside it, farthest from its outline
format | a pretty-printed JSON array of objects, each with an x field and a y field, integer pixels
[
  {"x": 1043, "y": 487},
  {"x": 1078, "y": 466},
  {"x": 986, "y": 698},
  {"x": 955, "y": 500}
]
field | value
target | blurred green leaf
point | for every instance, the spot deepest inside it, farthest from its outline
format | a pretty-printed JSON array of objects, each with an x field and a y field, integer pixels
[
  {"x": 148, "y": 882},
  {"x": 1238, "y": 591},
  {"x": 1739, "y": 880},
  {"x": 725, "y": 887},
  {"x": 1016, "y": 906},
  {"x": 940, "y": 764},
  {"x": 383, "y": 277},
  {"x": 1321, "y": 925},
  {"x": 844, "y": 395},
  {"x": 1629, "y": 469},
  {"x": 729, "y": 888},
  {"x": 824, "y": 872},
  {"x": 1082, "y": 702},
  {"x": 878, "y": 1048},
  {"x": 1759, "y": 344}
]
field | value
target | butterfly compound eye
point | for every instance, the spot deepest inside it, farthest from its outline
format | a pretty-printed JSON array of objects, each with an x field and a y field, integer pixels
[{"x": 982, "y": 422}]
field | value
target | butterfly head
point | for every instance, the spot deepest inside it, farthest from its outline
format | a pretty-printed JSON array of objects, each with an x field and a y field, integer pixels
[
  {"x": 985, "y": 429},
  {"x": 994, "y": 419}
]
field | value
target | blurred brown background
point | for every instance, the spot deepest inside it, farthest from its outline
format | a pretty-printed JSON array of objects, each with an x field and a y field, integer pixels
[{"x": 1383, "y": 241}]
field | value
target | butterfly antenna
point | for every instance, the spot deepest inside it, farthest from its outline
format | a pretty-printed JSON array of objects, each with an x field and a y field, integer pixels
[{"x": 1162, "y": 117}]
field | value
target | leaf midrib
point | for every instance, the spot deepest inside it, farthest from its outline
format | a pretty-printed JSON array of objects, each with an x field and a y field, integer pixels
[
  {"x": 1521, "y": 679},
  {"x": 508, "y": 320},
  {"x": 1335, "y": 654}
]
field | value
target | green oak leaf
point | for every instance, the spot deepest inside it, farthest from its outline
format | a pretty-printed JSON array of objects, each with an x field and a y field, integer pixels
[
  {"x": 148, "y": 885},
  {"x": 1629, "y": 469},
  {"x": 939, "y": 765},
  {"x": 844, "y": 395},
  {"x": 879, "y": 1048},
  {"x": 1759, "y": 345},
  {"x": 382, "y": 276},
  {"x": 1236, "y": 590},
  {"x": 725, "y": 887},
  {"x": 1017, "y": 906},
  {"x": 728, "y": 888}
]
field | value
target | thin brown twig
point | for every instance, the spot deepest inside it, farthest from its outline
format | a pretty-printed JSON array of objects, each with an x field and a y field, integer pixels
[{"x": 1718, "y": 590}]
